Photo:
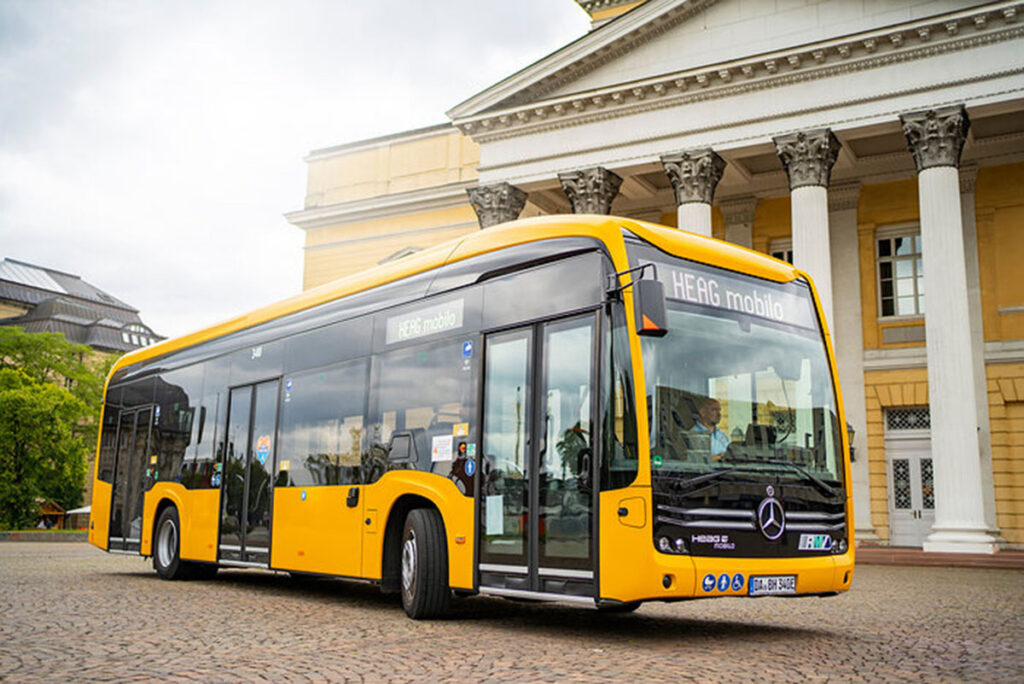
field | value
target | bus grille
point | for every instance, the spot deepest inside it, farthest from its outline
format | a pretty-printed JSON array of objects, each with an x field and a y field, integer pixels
[{"x": 732, "y": 519}]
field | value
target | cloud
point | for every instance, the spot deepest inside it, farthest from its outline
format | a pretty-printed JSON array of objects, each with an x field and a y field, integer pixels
[{"x": 153, "y": 148}]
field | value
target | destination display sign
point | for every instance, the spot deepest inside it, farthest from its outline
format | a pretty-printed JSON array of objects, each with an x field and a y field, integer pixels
[
  {"x": 429, "y": 320},
  {"x": 694, "y": 283}
]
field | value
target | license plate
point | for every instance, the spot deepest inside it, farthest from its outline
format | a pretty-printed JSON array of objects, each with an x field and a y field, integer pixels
[{"x": 772, "y": 585}]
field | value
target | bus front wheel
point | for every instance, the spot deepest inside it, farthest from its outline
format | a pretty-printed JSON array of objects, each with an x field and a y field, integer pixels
[
  {"x": 167, "y": 545},
  {"x": 425, "y": 591}
]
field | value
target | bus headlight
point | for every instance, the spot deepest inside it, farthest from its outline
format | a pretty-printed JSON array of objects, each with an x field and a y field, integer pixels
[{"x": 674, "y": 546}]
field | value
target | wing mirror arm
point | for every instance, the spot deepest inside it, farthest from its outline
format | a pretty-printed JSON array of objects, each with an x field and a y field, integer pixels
[{"x": 649, "y": 310}]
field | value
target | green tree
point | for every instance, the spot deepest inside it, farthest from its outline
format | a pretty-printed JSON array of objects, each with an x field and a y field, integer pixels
[
  {"x": 49, "y": 357},
  {"x": 50, "y": 396},
  {"x": 40, "y": 454}
]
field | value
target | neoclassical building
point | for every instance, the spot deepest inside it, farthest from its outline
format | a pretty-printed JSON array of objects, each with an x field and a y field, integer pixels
[{"x": 878, "y": 146}]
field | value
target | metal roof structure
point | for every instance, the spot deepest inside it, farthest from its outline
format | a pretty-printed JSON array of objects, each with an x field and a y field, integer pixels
[{"x": 58, "y": 302}]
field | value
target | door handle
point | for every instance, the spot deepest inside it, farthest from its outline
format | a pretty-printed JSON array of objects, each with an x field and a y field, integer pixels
[{"x": 353, "y": 497}]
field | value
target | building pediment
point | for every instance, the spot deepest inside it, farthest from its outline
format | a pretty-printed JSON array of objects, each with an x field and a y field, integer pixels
[{"x": 668, "y": 52}]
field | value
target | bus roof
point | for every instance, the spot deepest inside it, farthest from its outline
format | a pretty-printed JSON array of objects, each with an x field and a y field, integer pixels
[{"x": 608, "y": 229}]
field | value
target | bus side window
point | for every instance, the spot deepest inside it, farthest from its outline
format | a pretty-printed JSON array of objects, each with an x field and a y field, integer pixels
[
  {"x": 108, "y": 442},
  {"x": 427, "y": 396},
  {"x": 621, "y": 463},
  {"x": 321, "y": 429}
]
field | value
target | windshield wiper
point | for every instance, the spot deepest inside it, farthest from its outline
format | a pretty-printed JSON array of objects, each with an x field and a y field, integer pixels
[
  {"x": 707, "y": 477},
  {"x": 822, "y": 486}
]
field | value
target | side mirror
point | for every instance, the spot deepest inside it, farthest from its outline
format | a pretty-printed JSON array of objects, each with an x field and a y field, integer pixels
[{"x": 649, "y": 308}]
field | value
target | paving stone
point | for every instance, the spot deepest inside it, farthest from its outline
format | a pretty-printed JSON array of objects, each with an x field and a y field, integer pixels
[{"x": 69, "y": 612}]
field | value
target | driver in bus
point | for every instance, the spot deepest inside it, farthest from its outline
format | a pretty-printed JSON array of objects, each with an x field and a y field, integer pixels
[{"x": 709, "y": 414}]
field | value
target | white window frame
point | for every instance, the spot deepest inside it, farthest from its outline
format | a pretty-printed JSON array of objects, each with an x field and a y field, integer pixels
[
  {"x": 898, "y": 230},
  {"x": 784, "y": 245}
]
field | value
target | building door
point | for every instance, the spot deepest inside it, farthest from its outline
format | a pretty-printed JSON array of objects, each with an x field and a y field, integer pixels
[
  {"x": 536, "y": 499},
  {"x": 132, "y": 457},
  {"x": 910, "y": 476},
  {"x": 246, "y": 483}
]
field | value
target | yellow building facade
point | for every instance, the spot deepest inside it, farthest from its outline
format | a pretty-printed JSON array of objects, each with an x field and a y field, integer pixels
[{"x": 652, "y": 79}]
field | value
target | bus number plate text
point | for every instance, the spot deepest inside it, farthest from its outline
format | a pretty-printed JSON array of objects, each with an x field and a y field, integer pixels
[{"x": 772, "y": 585}]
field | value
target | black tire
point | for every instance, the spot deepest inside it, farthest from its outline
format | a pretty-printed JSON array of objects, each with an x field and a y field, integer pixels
[
  {"x": 619, "y": 608},
  {"x": 167, "y": 545},
  {"x": 424, "y": 565}
]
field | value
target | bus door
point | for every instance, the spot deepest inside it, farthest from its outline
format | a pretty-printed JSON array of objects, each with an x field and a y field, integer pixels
[
  {"x": 246, "y": 472},
  {"x": 537, "y": 495},
  {"x": 132, "y": 457}
]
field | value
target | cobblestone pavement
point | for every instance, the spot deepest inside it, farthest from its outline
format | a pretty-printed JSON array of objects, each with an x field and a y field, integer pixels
[{"x": 71, "y": 612}]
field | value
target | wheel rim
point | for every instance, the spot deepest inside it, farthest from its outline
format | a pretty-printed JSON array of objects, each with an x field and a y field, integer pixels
[
  {"x": 409, "y": 561},
  {"x": 167, "y": 543}
]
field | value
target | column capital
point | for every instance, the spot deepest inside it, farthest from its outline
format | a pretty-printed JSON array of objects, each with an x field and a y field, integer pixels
[
  {"x": 694, "y": 174},
  {"x": 590, "y": 191},
  {"x": 968, "y": 177},
  {"x": 808, "y": 156},
  {"x": 843, "y": 196},
  {"x": 936, "y": 136},
  {"x": 496, "y": 203},
  {"x": 737, "y": 210}
]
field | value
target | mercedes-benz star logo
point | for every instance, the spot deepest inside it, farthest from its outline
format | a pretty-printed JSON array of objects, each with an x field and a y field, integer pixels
[{"x": 771, "y": 518}]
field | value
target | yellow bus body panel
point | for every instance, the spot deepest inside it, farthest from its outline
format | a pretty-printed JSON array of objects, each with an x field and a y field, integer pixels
[
  {"x": 197, "y": 514},
  {"x": 629, "y": 569},
  {"x": 455, "y": 507},
  {"x": 314, "y": 530},
  {"x": 99, "y": 514}
]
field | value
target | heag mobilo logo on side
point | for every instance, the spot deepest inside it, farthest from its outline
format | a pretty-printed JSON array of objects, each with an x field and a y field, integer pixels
[
  {"x": 815, "y": 542},
  {"x": 425, "y": 321}
]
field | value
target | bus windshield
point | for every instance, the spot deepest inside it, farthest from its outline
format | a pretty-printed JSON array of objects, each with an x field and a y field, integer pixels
[{"x": 741, "y": 382}]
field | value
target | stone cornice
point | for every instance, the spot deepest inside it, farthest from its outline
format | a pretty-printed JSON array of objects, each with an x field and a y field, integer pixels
[
  {"x": 583, "y": 55},
  {"x": 434, "y": 131},
  {"x": 859, "y": 52},
  {"x": 382, "y": 206}
]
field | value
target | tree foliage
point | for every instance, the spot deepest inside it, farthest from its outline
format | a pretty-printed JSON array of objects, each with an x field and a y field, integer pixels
[{"x": 50, "y": 394}]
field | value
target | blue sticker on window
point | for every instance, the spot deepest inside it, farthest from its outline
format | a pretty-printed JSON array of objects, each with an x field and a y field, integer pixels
[
  {"x": 288, "y": 385},
  {"x": 737, "y": 582},
  {"x": 470, "y": 466},
  {"x": 723, "y": 582},
  {"x": 467, "y": 350},
  {"x": 709, "y": 583}
]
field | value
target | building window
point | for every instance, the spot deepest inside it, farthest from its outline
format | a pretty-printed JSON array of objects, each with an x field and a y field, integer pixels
[
  {"x": 900, "y": 279},
  {"x": 782, "y": 249}
]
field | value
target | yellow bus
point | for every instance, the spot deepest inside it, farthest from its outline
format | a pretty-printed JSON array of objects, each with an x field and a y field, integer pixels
[{"x": 576, "y": 408}]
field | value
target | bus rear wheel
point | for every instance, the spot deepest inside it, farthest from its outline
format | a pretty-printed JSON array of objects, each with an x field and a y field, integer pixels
[
  {"x": 167, "y": 547},
  {"x": 424, "y": 565}
]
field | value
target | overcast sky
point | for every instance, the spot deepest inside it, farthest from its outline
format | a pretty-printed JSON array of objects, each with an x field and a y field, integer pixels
[{"x": 152, "y": 147}]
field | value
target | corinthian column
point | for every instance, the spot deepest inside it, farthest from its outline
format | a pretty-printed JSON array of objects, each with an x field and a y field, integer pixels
[
  {"x": 496, "y": 203},
  {"x": 936, "y": 138},
  {"x": 808, "y": 157},
  {"x": 694, "y": 175},
  {"x": 590, "y": 191}
]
